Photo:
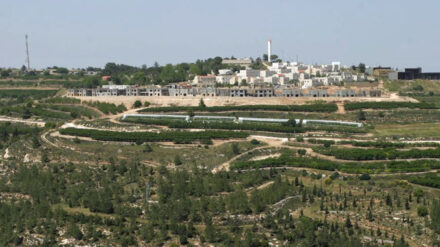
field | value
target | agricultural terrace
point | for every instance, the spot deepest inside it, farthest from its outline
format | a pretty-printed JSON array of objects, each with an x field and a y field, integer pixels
[{"x": 219, "y": 181}]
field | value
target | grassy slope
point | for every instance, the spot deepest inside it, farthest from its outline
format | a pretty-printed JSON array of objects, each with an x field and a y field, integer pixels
[
  {"x": 408, "y": 86},
  {"x": 409, "y": 130}
]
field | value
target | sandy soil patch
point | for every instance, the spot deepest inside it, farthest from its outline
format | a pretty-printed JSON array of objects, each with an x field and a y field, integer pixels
[
  {"x": 157, "y": 101},
  {"x": 263, "y": 157}
]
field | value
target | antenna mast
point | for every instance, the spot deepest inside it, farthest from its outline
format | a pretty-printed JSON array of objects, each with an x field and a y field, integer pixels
[{"x": 27, "y": 53}]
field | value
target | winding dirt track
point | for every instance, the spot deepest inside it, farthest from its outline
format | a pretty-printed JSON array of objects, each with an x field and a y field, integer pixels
[{"x": 24, "y": 121}]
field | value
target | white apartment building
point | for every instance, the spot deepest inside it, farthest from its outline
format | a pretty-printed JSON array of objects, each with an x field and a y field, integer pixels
[
  {"x": 226, "y": 79},
  {"x": 206, "y": 80}
]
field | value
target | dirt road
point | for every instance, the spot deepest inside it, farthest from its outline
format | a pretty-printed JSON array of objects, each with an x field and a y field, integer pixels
[{"x": 25, "y": 121}]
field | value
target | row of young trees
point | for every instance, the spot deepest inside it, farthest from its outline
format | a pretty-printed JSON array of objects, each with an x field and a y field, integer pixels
[
  {"x": 26, "y": 93},
  {"x": 390, "y": 167},
  {"x": 179, "y": 124},
  {"x": 61, "y": 100},
  {"x": 289, "y": 159},
  {"x": 107, "y": 107},
  {"x": 383, "y": 144},
  {"x": 39, "y": 110},
  {"x": 294, "y": 108},
  {"x": 376, "y": 144},
  {"x": 378, "y": 154},
  {"x": 75, "y": 111},
  {"x": 431, "y": 180},
  {"x": 289, "y": 127},
  {"x": 351, "y": 106},
  {"x": 139, "y": 137}
]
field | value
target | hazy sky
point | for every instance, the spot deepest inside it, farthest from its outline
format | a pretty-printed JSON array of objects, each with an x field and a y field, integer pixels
[{"x": 80, "y": 33}]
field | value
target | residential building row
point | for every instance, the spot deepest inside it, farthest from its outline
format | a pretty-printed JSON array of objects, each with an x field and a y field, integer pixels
[
  {"x": 300, "y": 75},
  {"x": 186, "y": 90}
]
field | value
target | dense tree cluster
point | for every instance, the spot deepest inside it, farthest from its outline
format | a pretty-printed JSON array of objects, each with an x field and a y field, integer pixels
[
  {"x": 187, "y": 205},
  {"x": 156, "y": 74}
]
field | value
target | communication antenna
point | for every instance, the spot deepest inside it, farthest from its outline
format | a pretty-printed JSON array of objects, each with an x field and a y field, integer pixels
[{"x": 27, "y": 53}]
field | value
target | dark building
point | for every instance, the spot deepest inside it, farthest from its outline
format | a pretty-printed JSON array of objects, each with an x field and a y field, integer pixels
[{"x": 416, "y": 73}]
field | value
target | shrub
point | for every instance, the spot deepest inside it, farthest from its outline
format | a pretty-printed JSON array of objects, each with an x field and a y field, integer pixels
[
  {"x": 334, "y": 176},
  {"x": 365, "y": 177},
  {"x": 291, "y": 122},
  {"x": 206, "y": 142},
  {"x": 137, "y": 104},
  {"x": 255, "y": 142},
  {"x": 147, "y": 148},
  {"x": 202, "y": 104},
  {"x": 362, "y": 116},
  {"x": 235, "y": 149},
  {"x": 177, "y": 160},
  {"x": 50, "y": 125},
  {"x": 74, "y": 231},
  {"x": 422, "y": 211}
]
